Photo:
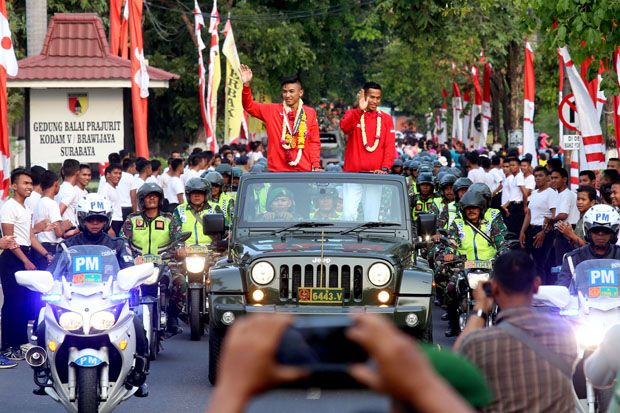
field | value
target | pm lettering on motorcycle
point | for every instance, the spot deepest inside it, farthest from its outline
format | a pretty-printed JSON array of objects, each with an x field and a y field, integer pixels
[
  {"x": 603, "y": 283},
  {"x": 87, "y": 269}
]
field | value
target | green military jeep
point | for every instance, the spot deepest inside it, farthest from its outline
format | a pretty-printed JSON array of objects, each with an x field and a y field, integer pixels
[{"x": 320, "y": 243}]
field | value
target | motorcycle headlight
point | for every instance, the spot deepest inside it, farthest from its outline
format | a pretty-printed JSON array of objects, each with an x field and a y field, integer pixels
[
  {"x": 195, "y": 264},
  {"x": 474, "y": 278},
  {"x": 262, "y": 273},
  {"x": 102, "y": 320},
  {"x": 589, "y": 336},
  {"x": 379, "y": 274},
  {"x": 70, "y": 321}
]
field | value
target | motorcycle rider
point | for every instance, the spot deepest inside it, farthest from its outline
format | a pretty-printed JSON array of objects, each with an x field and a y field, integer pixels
[
  {"x": 424, "y": 200},
  {"x": 601, "y": 224},
  {"x": 459, "y": 188},
  {"x": 218, "y": 197},
  {"x": 447, "y": 212},
  {"x": 94, "y": 215},
  {"x": 149, "y": 229},
  {"x": 474, "y": 236},
  {"x": 225, "y": 169},
  {"x": 190, "y": 213},
  {"x": 484, "y": 190}
]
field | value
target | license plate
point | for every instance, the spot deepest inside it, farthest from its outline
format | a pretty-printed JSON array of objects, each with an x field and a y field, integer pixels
[
  {"x": 320, "y": 295},
  {"x": 86, "y": 278},
  {"x": 155, "y": 259},
  {"x": 88, "y": 361},
  {"x": 197, "y": 249},
  {"x": 478, "y": 264}
]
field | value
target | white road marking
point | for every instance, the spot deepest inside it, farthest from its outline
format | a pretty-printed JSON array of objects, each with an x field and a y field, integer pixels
[{"x": 314, "y": 394}]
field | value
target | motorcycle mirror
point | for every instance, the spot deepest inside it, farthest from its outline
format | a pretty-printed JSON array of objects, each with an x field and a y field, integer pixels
[
  {"x": 132, "y": 277},
  {"x": 213, "y": 224},
  {"x": 38, "y": 281},
  {"x": 426, "y": 225}
]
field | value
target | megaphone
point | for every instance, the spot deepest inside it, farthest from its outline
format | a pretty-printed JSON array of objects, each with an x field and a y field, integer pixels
[{"x": 36, "y": 356}]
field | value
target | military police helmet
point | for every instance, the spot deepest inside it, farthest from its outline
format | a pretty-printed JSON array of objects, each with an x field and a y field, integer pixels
[
  {"x": 472, "y": 199},
  {"x": 483, "y": 189},
  {"x": 197, "y": 185},
  {"x": 425, "y": 169},
  {"x": 333, "y": 167},
  {"x": 425, "y": 178},
  {"x": 150, "y": 188},
  {"x": 447, "y": 180},
  {"x": 224, "y": 169},
  {"x": 94, "y": 205},
  {"x": 214, "y": 178},
  {"x": 601, "y": 217},
  {"x": 461, "y": 183}
]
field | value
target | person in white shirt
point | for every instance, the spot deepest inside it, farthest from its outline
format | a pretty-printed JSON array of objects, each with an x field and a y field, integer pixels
[
  {"x": 197, "y": 163},
  {"x": 109, "y": 190},
  {"x": 515, "y": 197},
  {"x": 84, "y": 178},
  {"x": 124, "y": 186},
  {"x": 476, "y": 173},
  {"x": 36, "y": 172},
  {"x": 528, "y": 177},
  {"x": 16, "y": 220},
  {"x": 67, "y": 197},
  {"x": 155, "y": 172},
  {"x": 164, "y": 177},
  {"x": 175, "y": 191},
  {"x": 490, "y": 179},
  {"x": 48, "y": 210},
  {"x": 143, "y": 167},
  {"x": 536, "y": 237},
  {"x": 566, "y": 210}
]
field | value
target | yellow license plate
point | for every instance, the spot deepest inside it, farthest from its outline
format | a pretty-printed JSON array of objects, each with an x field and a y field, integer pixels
[
  {"x": 155, "y": 259},
  {"x": 320, "y": 295},
  {"x": 197, "y": 249},
  {"x": 478, "y": 264}
]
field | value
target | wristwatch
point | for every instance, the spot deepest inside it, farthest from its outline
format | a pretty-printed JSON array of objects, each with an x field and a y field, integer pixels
[{"x": 482, "y": 314}]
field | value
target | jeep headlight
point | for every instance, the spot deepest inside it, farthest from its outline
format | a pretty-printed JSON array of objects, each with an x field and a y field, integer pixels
[
  {"x": 474, "y": 278},
  {"x": 70, "y": 321},
  {"x": 262, "y": 273},
  {"x": 379, "y": 274},
  {"x": 102, "y": 320},
  {"x": 195, "y": 264}
]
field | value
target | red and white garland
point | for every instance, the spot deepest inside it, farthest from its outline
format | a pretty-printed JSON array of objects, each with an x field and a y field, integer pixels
[
  {"x": 377, "y": 133},
  {"x": 287, "y": 140}
]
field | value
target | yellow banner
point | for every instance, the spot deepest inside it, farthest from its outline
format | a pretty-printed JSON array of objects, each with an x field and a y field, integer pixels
[{"x": 234, "y": 87}]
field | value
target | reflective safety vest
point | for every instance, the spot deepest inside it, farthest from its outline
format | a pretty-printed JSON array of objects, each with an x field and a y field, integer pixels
[
  {"x": 438, "y": 201},
  {"x": 452, "y": 213},
  {"x": 421, "y": 207},
  {"x": 225, "y": 204},
  {"x": 192, "y": 222},
  {"x": 260, "y": 199},
  {"x": 491, "y": 214},
  {"x": 472, "y": 244},
  {"x": 150, "y": 236}
]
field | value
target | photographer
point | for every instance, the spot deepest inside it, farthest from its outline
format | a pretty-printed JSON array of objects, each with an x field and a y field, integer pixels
[{"x": 248, "y": 366}]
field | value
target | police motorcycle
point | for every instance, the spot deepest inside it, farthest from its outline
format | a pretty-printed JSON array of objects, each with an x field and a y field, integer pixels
[{"x": 86, "y": 358}]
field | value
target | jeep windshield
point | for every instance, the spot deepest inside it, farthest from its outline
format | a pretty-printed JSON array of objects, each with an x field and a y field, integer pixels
[{"x": 320, "y": 198}]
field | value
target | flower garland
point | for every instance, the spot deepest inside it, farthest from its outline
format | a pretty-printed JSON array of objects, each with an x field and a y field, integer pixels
[
  {"x": 377, "y": 133},
  {"x": 296, "y": 138}
]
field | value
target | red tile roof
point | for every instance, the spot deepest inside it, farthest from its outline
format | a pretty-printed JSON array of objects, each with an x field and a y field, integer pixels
[{"x": 76, "y": 48}]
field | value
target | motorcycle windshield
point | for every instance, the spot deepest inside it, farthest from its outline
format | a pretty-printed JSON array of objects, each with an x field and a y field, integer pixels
[
  {"x": 87, "y": 265},
  {"x": 599, "y": 282}
]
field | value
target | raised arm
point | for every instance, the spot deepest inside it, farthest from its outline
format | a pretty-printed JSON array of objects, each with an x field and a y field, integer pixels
[{"x": 253, "y": 108}]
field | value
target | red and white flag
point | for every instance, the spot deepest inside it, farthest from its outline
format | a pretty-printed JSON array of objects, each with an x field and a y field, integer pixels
[
  {"x": 8, "y": 64},
  {"x": 115, "y": 25},
  {"x": 457, "y": 113},
  {"x": 443, "y": 113},
  {"x": 589, "y": 125},
  {"x": 139, "y": 80},
  {"x": 529, "y": 139},
  {"x": 476, "y": 110},
  {"x": 596, "y": 93},
  {"x": 616, "y": 65},
  {"x": 199, "y": 23},
  {"x": 486, "y": 103},
  {"x": 214, "y": 79},
  {"x": 574, "y": 171},
  {"x": 466, "y": 118},
  {"x": 124, "y": 34}
]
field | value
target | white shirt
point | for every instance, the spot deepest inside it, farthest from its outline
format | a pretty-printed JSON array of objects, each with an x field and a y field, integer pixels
[
  {"x": 512, "y": 185},
  {"x": 32, "y": 201},
  {"x": 530, "y": 182},
  {"x": 101, "y": 182},
  {"x": 566, "y": 203},
  {"x": 68, "y": 196},
  {"x": 20, "y": 216},
  {"x": 476, "y": 175},
  {"x": 123, "y": 188},
  {"x": 491, "y": 180},
  {"x": 162, "y": 180},
  {"x": 47, "y": 209},
  {"x": 540, "y": 204},
  {"x": 189, "y": 174},
  {"x": 137, "y": 183},
  {"x": 111, "y": 193},
  {"x": 152, "y": 180},
  {"x": 175, "y": 187}
]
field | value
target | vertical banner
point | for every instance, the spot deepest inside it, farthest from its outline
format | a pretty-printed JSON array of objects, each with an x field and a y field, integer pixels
[
  {"x": 589, "y": 125},
  {"x": 443, "y": 135},
  {"x": 8, "y": 65},
  {"x": 214, "y": 79},
  {"x": 139, "y": 80},
  {"x": 476, "y": 110},
  {"x": 529, "y": 139},
  {"x": 616, "y": 65},
  {"x": 466, "y": 118},
  {"x": 115, "y": 26},
  {"x": 199, "y": 23},
  {"x": 124, "y": 34},
  {"x": 234, "y": 87},
  {"x": 486, "y": 103},
  {"x": 560, "y": 95},
  {"x": 457, "y": 111},
  {"x": 574, "y": 170}
]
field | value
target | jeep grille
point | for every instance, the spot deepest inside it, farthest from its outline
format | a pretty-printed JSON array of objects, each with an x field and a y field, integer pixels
[{"x": 348, "y": 277}]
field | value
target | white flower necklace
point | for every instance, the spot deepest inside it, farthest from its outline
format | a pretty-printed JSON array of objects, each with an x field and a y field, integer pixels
[
  {"x": 286, "y": 126},
  {"x": 377, "y": 133}
]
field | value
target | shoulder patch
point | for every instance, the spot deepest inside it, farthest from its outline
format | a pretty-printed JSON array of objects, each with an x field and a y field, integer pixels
[
  {"x": 159, "y": 224},
  {"x": 140, "y": 223}
]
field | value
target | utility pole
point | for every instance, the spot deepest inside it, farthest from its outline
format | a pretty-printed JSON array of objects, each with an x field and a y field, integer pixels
[{"x": 36, "y": 25}]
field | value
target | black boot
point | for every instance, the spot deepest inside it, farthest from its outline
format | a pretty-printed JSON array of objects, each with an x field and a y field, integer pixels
[
  {"x": 143, "y": 391},
  {"x": 172, "y": 329}
]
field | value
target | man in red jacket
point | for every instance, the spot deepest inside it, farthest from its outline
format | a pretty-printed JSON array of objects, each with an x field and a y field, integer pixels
[
  {"x": 294, "y": 144},
  {"x": 370, "y": 134}
]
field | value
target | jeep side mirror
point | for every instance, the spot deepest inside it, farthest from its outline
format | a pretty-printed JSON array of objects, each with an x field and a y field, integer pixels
[
  {"x": 426, "y": 225},
  {"x": 213, "y": 224}
]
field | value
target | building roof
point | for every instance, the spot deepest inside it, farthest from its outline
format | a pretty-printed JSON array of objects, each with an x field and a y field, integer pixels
[{"x": 76, "y": 50}]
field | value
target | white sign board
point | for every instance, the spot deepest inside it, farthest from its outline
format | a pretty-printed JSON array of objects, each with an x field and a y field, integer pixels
[
  {"x": 571, "y": 142},
  {"x": 515, "y": 138},
  {"x": 67, "y": 123}
]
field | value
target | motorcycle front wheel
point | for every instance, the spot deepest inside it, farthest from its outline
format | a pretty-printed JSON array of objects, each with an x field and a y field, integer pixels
[
  {"x": 87, "y": 389},
  {"x": 154, "y": 346},
  {"x": 196, "y": 324}
]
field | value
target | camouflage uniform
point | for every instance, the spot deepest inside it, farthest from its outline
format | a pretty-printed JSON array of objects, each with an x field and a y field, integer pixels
[{"x": 497, "y": 233}]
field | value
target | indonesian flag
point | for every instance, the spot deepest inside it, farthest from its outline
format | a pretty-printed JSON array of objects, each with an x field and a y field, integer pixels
[
  {"x": 139, "y": 80},
  {"x": 214, "y": 79},
  {"x": 529, "y": 140},
  {"x": 476, "y": 109},
  {"x": 616, "y": 65},
  {"x": 598, "y": 95},
  {"x": 486, "y": 103},
  {"x": 443, "y": 136},
  {"x": 9, "y": 66},
  {"x": 593, "y": 143},
  {"x": 574, "y": 171},
  {"x": 199, "y": 23},
  {"x": 457, "y": 111},
  {"x": 123, "y": 43},
  {"x": 115, "y": 26},
  {"x": 466, "y": 118}
]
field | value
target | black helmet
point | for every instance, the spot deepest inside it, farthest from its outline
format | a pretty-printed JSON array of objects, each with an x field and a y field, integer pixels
[
  {"x": 415, "y": 165},
  {"x": 236, "y": 172},
  {"x": 224, "y": 169},
  {"x": 483, "y": 189},
  {"x": 439, "y": 175},
  {"x": 407, "y": 164},
  {"x": 461, "y": 183},
  {"x": 447, "y": 180},
  {"x": 456, "y": 172},
  {"x": 333, "y": 167},
  {"x": 397, "y": 162},
  {"x": 214, "y": 178},
  {"x": 197, "y": 185},
  {"x": 472, "y": 199},
  {"x": 425, "y": 178},
  {"x": 150, "y": 188}
]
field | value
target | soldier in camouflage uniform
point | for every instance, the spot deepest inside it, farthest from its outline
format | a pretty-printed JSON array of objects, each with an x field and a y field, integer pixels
[
  {"x": 448, "y": 214},
  {"x": 151, "y": 231}
]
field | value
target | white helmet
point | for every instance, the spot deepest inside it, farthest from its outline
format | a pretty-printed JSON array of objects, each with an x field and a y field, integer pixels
[
  {"x": 94, "y": 205},
  {"x": 602, "y": 217}
]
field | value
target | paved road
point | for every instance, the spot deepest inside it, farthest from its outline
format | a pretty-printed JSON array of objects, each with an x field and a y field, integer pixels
[{"x": 178, "y": 382}]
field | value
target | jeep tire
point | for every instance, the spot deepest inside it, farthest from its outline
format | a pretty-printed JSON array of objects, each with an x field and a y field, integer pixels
[{"x": 216, "y": 336}]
